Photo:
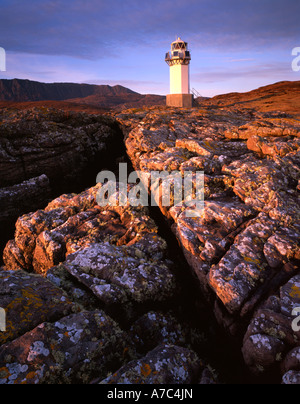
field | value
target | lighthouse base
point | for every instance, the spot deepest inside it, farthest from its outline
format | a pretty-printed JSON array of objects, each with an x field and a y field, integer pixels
[{"x": 180, "y": 100}]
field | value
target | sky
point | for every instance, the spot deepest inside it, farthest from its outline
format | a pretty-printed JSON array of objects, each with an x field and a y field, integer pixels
[{"x": 236, "y": 45}]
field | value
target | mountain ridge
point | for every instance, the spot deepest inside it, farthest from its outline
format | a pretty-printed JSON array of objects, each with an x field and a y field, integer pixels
[{"x": 20, "y": 90}]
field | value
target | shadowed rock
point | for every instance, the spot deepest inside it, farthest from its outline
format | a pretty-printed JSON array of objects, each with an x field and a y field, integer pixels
[
  {"x": 70, "y": 350},
  {"x": 166, "y": 364},
  {"x": 29, "y": 300}
]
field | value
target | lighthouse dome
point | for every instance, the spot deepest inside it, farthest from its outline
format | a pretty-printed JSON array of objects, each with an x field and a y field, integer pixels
[
  {"x": 179, "y": 44},
  {"x": 179, "y": 53}
]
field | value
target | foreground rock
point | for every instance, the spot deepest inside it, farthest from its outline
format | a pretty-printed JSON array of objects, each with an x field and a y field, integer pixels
[
  {"x": 272, "y": 340},
  {"x": 71, "y": 350},
  {"x": 244, "y": 245},
  {"x": 29, "y": 300},
  {"x": 104, "y": 270},
  {"x": 113, "y": 251}
]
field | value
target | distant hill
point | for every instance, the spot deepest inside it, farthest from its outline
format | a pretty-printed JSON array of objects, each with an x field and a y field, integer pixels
[
  {"x": 18, "y": 90},
  {"x": 281, "y": 96},
  {"x": 121, "y": 100}
]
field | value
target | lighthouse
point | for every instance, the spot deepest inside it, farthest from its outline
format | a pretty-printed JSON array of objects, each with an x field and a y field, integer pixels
[{"x": 179, "y": 61}]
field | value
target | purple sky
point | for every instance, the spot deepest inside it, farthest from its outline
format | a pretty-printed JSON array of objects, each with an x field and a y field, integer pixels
[{"x": 236, "y": 45}]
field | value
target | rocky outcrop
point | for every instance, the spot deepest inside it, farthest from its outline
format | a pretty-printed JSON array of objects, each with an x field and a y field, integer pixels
[
  {"x": 81, "y": 290},
  {"x": 110, "y": 271},
  {"x": 244, "y": 246}
]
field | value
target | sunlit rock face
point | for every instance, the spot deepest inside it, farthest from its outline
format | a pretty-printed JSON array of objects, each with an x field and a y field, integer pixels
[
  {"x": 245, "y": 244},
  {"x": 113, "y": 250}
]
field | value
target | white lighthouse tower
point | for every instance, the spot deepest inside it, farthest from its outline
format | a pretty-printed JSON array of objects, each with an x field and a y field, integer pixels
[{"x": 179, "y": 61}]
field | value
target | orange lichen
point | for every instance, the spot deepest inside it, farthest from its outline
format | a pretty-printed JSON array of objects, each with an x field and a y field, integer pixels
[
  {"x": 252, "y": 260},
  {"x": 30, "y": 375},
  {"x": 295, "y": 292},
  {"x": 145, "y": 370},
  {"x": 4, "y": 373}
]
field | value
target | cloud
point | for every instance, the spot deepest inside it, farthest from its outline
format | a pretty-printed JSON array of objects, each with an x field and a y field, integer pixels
[
  {"x": 271, "y": 71},
  {"x": 95, "y": 29},
  {"x": 124, "y": 41},
  {"x": 241, "y": 60}
]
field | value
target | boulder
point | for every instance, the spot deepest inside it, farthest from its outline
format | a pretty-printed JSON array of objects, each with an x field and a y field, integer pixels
[
  {"x": 71, "y": 350},
  {"x": 272, "y": 340},
  {"x": 29, "y": 300},
  {"x": 124, "y": 279}
]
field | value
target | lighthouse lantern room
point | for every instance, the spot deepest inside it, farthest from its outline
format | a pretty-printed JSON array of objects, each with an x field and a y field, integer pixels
[{"x": 179, "y": 60}]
